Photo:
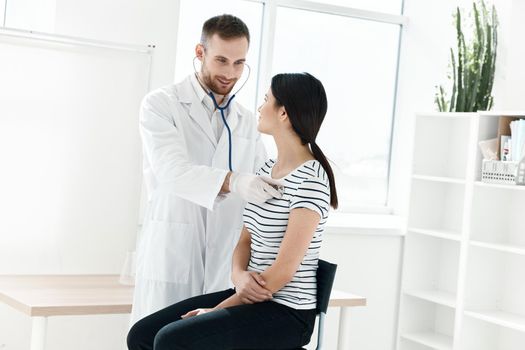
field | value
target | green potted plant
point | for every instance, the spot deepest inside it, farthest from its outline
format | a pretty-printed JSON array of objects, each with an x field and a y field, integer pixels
[{"x": 473, "y": 65}]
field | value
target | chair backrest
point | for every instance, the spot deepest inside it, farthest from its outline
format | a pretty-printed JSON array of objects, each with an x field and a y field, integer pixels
[{"x": 325, "y": 280}]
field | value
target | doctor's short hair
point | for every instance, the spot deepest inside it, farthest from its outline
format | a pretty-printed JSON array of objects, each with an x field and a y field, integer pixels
[{"x": 226, "y": 26}]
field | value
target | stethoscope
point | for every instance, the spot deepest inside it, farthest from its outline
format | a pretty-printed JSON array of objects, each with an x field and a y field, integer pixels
[{"x": 222, "y": 109}]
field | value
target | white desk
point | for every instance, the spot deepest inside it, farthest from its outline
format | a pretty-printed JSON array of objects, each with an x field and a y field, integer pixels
[
  {"x": 42, "y": 296},
  {"x": 344, "y": 301}
]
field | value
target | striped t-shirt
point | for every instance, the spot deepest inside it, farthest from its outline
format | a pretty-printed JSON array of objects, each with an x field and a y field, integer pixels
[{"x": 305, "y": 187}]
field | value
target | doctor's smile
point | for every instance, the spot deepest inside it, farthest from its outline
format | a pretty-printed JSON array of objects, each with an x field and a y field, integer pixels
[{"x": 225, "y": 82}]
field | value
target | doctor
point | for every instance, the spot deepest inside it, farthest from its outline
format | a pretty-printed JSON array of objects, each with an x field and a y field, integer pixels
[{"x": 194, "y": 211}]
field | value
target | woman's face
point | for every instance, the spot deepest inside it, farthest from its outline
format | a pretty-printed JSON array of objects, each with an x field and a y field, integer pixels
[{"x": 269, "y": 115}]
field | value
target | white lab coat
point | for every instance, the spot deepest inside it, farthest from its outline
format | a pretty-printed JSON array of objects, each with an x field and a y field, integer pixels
[{"x": 188, "y": 235}]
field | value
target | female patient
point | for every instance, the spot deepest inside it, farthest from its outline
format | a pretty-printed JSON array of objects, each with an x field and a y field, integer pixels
[{"x": 275, "y": 261}]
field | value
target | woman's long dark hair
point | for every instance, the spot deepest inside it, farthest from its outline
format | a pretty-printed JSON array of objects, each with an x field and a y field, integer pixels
[{"x": 304, "y": 99}]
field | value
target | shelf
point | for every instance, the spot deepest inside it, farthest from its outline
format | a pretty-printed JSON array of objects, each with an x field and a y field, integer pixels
[
  {"x": 439, "y": 179},
  {"x": 426, "y": 322},
  {"x": 478, "y": 334},
  {"x": 430, "y": 339},
  {"x": 499, "y": 186},
  {"x": 441, "y": 145},
  {"x": 447, "y": 115},
  {"x": 497, "y": 218},
  {"x": 500, "y": 318},
  {"x": 502, "y": 113},
  {"x": 436, "y": 206},
  {"x": 445, "y": 234},
  {"x": 506, "y": 248},
  {"x": 494, "y": 282},
  {"x": 464, "y": 248},
  {"x": 434, "y": 296},
  {"x": 431, "y": 263}
]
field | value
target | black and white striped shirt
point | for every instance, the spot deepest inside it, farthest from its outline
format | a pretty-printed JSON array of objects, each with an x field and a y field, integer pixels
[{"x": 305, "y": 187}]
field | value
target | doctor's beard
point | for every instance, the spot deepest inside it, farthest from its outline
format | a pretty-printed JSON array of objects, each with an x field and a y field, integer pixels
[{"x": 213, "y": 84}]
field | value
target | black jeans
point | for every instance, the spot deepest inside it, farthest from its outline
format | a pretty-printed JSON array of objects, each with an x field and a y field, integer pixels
[{"x": 266, "y": 325}]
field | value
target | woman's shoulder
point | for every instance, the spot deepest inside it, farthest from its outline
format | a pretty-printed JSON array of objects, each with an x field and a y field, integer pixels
[
  {"x": 265, "y": 168},
  {"x": 313, "y": 170}
]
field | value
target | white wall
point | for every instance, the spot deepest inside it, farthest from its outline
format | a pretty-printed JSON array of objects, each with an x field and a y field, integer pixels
[
  {"x": 138, "y": 22},
  {"x": 513, "y": 97}
]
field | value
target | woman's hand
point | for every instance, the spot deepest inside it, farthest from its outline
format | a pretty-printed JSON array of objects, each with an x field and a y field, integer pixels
[
  {"x": 249, "y": 286},
  {"x": 196, "y": 312}
]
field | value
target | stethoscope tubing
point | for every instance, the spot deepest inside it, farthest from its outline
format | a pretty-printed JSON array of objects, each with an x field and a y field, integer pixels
[{"x": 222, "y": 109}]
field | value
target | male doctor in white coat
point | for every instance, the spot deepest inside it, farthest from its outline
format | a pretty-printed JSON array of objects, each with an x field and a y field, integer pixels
[{"x": 194, "y": 211}]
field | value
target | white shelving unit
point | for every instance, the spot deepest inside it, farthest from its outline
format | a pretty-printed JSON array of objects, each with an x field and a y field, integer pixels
[{"x": 463, "y": 284}]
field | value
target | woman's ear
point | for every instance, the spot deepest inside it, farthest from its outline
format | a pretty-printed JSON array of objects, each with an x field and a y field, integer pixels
[{"x": 282, "y": 113}]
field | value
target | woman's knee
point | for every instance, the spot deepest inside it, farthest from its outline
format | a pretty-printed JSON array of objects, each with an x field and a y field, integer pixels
[
  {"x": 174, "y": 337},
  {"x": 136, "y": 338}
]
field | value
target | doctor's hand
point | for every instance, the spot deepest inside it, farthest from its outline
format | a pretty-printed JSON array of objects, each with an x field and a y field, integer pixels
[
  {"x": 249, "y": 286},
  {"x": 253, "y": 188}
]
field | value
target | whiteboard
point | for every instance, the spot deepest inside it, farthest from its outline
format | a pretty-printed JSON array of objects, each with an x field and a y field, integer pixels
[{"x": 70, "y": 155}]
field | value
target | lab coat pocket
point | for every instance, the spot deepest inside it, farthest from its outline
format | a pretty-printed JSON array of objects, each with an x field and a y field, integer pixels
[{"x": 167, "y": 251}]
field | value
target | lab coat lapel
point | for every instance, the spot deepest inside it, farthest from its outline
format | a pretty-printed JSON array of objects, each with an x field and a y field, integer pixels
[
  {"x": 197, "y": 111},
  {"x": 233, "y": 119},
  {"x": 200, "y": 116}
]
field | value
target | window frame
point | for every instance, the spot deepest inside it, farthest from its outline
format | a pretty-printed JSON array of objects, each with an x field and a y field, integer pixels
[
  {"x": 4, "y": 17},
  {"x": 265, "y": 74}
]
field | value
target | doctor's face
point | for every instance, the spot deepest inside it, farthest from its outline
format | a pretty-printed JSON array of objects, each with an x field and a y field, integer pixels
[{"x": 222, "y": 62}]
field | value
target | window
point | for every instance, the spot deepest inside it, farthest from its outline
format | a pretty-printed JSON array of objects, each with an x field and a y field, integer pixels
[
  {"x": 357, "y": 62},
  {"x": 36, "y": 15},
  {"x": 3, "y": 5},
  {"x": 190, "y": 26},
  {"x": 387, "y": 6},
  {"x": 351, "y": 45},
  {"x": 351, "y": 49}
]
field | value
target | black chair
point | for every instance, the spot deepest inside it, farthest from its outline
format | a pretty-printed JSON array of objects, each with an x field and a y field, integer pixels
[{"x": 325, "y": 281}]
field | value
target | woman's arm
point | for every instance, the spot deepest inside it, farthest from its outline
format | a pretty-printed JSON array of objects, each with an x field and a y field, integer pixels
[
  {"x": 302, "y": 224},
  {"x": 241, "y": 254},
  {"x": 249, "y": 285},
  {"x": 231, "y": 301}
]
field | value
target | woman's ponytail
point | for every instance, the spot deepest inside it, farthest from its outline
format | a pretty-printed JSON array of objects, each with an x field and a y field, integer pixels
[{"x": 321, "y": 158}]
